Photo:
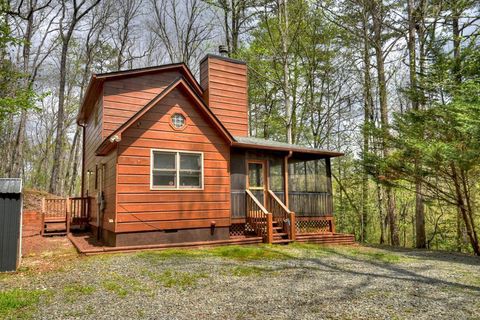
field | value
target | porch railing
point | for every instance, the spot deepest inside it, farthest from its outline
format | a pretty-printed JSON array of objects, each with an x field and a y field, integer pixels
[
  {"x": 258, "y": 218},
  {"x": 281, "y": 214},
  {"x": 309, "y": 203},
  {"x": 314, "y": 224},
  {"x": 80, "y": 209},
  {"x": 71, "y": 211}
]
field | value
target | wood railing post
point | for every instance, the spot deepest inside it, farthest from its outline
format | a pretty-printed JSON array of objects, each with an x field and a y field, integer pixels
[
  {"x": 293, "y": 227},
  {"x": 332, "y": 225},
  {"x": 269, "y": 228},
  {"x": 67, "y": 215},
  {"x": 42, "y": 230}
]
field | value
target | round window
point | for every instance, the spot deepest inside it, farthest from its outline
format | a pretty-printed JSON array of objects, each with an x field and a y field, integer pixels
[{"x": 178, "y": 120}]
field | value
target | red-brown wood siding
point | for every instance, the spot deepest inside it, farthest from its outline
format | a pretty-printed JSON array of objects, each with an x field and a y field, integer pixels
[
  {"x": 125, "y": 97},
  {"x": 142, "y": 209},
  {"x": 93, "y": 138},
  {"x": 226, "y": 92}
]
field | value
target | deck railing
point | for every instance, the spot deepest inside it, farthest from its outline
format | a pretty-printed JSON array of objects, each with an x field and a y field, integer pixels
[
  {"x": 309, "y": 203},
  {"x": 71, "y": 211},
  {"x": 258, "y": 218},
  {"x": 314, "y": 224},
  {"x": 281, "y": 214},
  {"x": 80, "y": 209}
]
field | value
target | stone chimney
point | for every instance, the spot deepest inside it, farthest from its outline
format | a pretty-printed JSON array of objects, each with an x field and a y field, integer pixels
[{"x": 224, "y": 81}]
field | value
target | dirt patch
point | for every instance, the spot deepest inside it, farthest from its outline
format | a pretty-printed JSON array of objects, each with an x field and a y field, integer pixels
[
  {"x": 46, "y": 253},
  {"x": 32, "y": 199}
]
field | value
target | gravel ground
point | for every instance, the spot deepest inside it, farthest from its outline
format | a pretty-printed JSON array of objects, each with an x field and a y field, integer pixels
[{"x": 280, "y": 282}]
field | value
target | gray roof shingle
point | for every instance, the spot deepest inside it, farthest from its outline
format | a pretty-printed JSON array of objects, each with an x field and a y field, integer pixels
[
  {"x": 252, "y": 141},
  {"x": 10, "y": 185}
]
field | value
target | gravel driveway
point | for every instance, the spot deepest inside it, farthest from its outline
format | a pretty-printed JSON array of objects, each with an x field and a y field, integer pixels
[{"x": 280, "y": 282}]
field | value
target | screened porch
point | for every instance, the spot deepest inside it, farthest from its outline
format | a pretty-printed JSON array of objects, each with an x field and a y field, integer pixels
[{"x": 301, "y": 182}]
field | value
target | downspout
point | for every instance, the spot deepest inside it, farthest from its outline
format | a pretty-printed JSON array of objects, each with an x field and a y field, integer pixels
[
  {"x": 285, "y": 176},
  {"x": 83, "y": 159}
]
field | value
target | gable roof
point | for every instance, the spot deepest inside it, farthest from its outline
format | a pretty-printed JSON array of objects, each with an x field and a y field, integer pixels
[
  {"x": 263, "y": 144},
  {"x": 107, "y": 145},
  {"x": 96, "y": 83}
]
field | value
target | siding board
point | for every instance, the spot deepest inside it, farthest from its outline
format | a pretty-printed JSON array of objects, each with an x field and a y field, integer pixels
[{"x": 171, "y": 209}]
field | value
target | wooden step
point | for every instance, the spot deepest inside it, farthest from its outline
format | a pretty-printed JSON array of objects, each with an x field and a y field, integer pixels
[
  {"x": 282, "y": 241},
  {"x": 45, "y": 234},
  {"x": 280, "y": 234},
  {"x": 56, "y": 219}
]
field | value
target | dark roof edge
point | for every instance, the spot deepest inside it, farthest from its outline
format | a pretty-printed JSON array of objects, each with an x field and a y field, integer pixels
[
  {"x": 215, "y": 56},
  {"x": 295, "y": 149},
  {"x": 144, "y": 69}
]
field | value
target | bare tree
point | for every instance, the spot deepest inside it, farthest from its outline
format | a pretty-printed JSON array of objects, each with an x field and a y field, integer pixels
[
  {"x": 31, "y": 15},
  {"x": 237, "y": 16},
  {"x": 182, "y": 30},
  {"x": 70, "y": 17},
  {"x": 124, "y": 30}
]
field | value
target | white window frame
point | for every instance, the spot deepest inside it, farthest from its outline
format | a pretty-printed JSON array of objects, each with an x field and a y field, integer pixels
[{"x": 177, "y": 170}]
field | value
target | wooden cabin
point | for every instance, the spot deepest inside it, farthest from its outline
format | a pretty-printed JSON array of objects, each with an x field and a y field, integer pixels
[{"x": 167, "y": 159}]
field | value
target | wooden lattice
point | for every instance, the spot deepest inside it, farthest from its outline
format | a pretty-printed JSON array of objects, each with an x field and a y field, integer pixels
[
  {"x": 237, "y": 230},
  {"x": 313, "y": 225}
]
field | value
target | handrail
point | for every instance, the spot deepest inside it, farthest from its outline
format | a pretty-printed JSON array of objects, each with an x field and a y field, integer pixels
[
  {"x": 280, "y": 203},
  {"x": 282, "y": 215},
  {"x": 261, "y": 207},
  {"x": 258, "y": 218}
]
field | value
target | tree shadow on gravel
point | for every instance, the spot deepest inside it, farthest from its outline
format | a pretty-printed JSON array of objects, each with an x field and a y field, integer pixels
[
  {"x": 396, "y": 272},
  {"x": 445, "y": 256}
]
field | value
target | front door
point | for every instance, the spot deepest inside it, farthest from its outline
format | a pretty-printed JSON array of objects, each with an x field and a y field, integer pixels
[{"x": 257, "y": 179}]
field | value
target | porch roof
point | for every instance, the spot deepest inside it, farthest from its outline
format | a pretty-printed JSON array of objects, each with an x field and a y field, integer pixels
[{"x": 264, "y": 144}]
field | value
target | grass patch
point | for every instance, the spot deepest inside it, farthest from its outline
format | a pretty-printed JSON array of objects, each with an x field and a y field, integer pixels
[
  {"x": 75, "y": 290},
  {"x": 14, "y": 301},
  {"x": 247, "y": 271},
  {"x": 242, "y": 253},
  {"x": 386, "y": 257},
  {"x": 115, "y": 287},
  {"x": 246, "y": 253},
  {"x": 169, "y": 253},
  {"x": 170, "y": 278},
  {"x": 121, "y": 285}
]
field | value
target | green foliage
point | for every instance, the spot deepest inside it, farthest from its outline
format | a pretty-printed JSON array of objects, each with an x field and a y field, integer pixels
[
  {"x": 121, "y": 285},
  {"x": 15, "y": 93},
  {"x": 170, "y": 278},
  {"x": 246, "y": 253},
  {"x": 15, "y": 301},
  {"x": 439, "y": 136}
]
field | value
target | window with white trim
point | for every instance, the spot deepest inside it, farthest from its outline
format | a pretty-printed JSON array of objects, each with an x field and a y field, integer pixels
[{"x": 176, "y": 170}]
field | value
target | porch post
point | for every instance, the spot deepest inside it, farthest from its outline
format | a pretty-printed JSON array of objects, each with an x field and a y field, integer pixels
[
  {"x": 329, "y": 186},
  {"x": 293, "y": 226},
  {"x": 285, "y": 178},
  {"x": 269, "y": 228},
  {"x": 42, "y": 231}
]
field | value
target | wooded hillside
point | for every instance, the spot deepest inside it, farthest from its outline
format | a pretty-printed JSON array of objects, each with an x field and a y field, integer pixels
[{"x": 393, "y": 84}]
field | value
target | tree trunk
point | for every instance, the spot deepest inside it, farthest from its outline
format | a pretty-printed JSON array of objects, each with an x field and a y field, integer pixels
[
  {"x": 466, "y": 210},
  {"x": 368, "y": 121},
  {"x": 420, "y": 236},
  {"x": 283, "y": 24},
  {"x": 58, "y": 151},
  {"x": 16, "y": 163},
  {"x": 377, "y": 18}
]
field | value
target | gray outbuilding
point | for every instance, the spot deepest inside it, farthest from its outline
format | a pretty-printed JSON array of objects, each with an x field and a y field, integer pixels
[{"x": 10, "y": 223}]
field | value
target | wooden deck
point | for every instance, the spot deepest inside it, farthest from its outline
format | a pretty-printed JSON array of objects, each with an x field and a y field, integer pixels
[
  {"x": 60, "y": 215},
  {"x": 87, "y": 244}
]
